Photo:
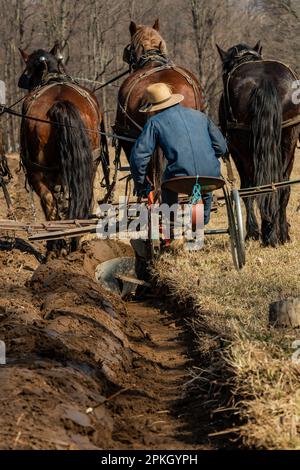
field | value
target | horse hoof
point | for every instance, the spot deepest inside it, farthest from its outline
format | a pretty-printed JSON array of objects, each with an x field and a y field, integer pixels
[
  {"x": 253, "y": 236},
  {"x": 50, "y": 256}
]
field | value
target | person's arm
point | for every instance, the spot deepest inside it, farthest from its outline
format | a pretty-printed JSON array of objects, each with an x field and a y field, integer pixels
[
  {"x": 141, "y": 154},
  {"x": 218, "y": 141}
]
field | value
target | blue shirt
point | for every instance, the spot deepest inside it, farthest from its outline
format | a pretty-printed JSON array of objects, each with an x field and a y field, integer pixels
[{"x": 190, "y": 141}]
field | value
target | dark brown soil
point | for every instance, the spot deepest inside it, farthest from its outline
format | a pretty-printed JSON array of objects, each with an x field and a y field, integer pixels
[{"x": 86, "y": 370}]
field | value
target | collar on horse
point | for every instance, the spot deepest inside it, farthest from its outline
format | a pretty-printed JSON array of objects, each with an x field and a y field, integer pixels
[
  {"x": 152, "y": 55},
  {"x": 57, "y": 77},
  {"x": 248, "y": 55}
]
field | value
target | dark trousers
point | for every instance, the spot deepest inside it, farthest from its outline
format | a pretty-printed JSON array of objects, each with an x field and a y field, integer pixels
[{"x": 170, "y": 198}]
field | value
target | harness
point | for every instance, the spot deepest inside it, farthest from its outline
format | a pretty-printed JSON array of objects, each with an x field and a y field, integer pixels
[
  {"x": 151, "y": 55},
  {"x": 165, "y": 66},
  {"x": 246, "y": 57},
  {"x": 51, "y": 80}
]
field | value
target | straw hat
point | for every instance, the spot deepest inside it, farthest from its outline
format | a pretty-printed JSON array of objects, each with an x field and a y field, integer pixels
[{"x": 159, "y": 96}]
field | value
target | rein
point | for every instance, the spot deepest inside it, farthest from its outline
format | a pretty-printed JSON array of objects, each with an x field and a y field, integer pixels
[
  {"x": 111, "y": 80},
  {"x": 8, "y": 110}
]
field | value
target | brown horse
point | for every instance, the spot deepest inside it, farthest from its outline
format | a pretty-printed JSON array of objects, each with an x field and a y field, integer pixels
[
  {"x": 149, "y": 63},
  {"x": 61, "y": 155},
  {"x": 261, "y": 122}
]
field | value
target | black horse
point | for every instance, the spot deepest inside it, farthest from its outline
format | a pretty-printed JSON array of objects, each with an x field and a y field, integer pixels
[{"x": 261, "y": 122}]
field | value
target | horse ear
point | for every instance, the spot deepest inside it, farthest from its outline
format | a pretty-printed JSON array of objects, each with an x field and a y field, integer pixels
[
  {"x": 222, "y": 53},
  {"x": 132, "y": 28},
  {"x": 156, "y": 24},
  {"x": 54, "y": 49},
  {"x": 163, "y": 48},
  {"x": 24, "y": 55},
  {"x": 257, "y": 47}
]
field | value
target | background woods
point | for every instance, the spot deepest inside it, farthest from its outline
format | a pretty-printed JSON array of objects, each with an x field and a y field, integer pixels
[{"x": 93, "y": 33}]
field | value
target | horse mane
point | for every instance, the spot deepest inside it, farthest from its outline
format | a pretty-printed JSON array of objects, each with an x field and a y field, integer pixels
[{"x": 146, "y": 39}]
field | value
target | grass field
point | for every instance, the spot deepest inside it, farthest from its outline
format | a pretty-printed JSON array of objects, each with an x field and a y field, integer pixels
[{"x": 244, "y": 355}]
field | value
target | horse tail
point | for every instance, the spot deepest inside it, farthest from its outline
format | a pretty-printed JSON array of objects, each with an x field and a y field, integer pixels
[
  {"x": 73, "y": 148},
  {"x": 265, "y": 112}
]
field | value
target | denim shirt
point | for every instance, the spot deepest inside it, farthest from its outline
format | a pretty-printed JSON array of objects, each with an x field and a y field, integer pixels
[{"x": 189, "y": 140}]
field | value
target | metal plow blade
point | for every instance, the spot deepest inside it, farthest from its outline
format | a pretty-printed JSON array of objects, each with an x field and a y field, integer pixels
[{"x": 118, "y": 275}]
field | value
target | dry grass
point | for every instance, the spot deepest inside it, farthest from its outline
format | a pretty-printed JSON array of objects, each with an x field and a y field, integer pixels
[{"x": 245, "y": 355}]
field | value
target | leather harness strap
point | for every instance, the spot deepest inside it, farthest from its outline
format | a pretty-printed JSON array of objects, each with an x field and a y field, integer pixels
[
  {"x": 151, "y": 71},
  {"x": 26, "y": 109},
  {"x": 232, "y": 123},
  {"x": 246, "y": 127},
  {"x": 85, "y": 94}
]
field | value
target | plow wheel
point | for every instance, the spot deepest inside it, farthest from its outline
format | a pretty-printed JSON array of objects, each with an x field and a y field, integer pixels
[{"x": 235, "y": 227}]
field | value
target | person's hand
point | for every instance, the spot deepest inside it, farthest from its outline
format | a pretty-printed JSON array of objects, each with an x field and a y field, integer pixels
[
  {"x": 140, "y": 191},
  {"x": 226, "y": 156}
]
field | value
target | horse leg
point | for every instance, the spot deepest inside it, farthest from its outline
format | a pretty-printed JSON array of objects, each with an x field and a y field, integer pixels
[
  {"x": 270, "y": 232},
  {"x": 47, "y": 199},
  {"x": 50, "y": 211},
  {"x": 284, "y": 196},
  {"x": 288, "y": 146},
  {"x": 270, "y": 226},
  {"x": 252, "y": 229},
  {"x": 49, "y": 206}
]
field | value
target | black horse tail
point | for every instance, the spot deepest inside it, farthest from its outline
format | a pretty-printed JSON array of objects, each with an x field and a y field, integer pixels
[
  {"x": 265, "y": 112},
  {"x": 73, "y": 147}
]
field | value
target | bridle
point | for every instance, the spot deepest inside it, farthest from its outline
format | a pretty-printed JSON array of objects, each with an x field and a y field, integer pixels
[
  {"x": 246, "y": 55},
  {"x": 151, "y": 55}
]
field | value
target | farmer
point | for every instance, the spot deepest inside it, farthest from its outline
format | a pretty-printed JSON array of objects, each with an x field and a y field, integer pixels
[{"x": 190, "y": 141}]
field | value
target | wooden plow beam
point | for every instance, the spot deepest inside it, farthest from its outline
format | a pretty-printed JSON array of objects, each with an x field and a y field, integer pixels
[
  {"x": 16, "y": 225},
  {"x": 50, "y": 230},
  {"x": 53, "y": 230},
  {"x": 67, "y": 233}
]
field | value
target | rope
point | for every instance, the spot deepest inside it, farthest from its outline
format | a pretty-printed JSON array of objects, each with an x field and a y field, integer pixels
[{"x": 196, "y": 193}]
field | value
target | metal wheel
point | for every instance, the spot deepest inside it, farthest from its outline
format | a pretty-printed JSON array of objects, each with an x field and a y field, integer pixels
[
  {"x": 235, "y": 228},
  {"x": 235, "y": 196}
]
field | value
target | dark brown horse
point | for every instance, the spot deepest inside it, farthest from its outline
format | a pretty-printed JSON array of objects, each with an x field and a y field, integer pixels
[
  {"x": 261, "y": 122},
  {"x": 61, "y": 157},
  {"x": 149, "y": 62}
]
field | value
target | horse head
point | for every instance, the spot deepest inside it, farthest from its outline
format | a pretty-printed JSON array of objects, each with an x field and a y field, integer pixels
[
  {"x": 144, "y": 39},
  {"x": 39, "y": 64},
  {"x": 237, "y": 54}
]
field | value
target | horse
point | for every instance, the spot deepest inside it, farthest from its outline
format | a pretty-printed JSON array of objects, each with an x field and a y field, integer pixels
[
  {"x": 60, "y": 143},
  {"x": 261, "y": 122},
  {"x": 149, "y": 63}
]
